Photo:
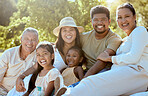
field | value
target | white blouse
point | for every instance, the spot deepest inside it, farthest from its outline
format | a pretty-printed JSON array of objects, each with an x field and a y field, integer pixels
[
  {"x": 58, "y": 60},
  {"x": 44, "y": 80},
  {"x": 134, "y": 49}
]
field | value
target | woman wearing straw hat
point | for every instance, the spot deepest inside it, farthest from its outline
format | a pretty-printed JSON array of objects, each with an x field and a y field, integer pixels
[
  {"x": 129, "y": 73},
  {"x": 68, "y": 36}
]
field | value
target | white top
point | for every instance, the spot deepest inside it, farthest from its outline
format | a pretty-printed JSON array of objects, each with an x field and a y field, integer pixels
[
  {"x": 11, "y": 66},
  {"x": 58, "y": 60},
  {"x": 134, "y": 49},
  {"x": 44, "y": 80}
]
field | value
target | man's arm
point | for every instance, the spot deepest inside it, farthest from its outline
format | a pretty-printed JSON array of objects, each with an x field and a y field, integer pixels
[
  {"x": 19, "y": 82},
  {"x": 99, "y": 65},
  {"x": 3, "y": 65},
  {"x": 29, "y": 71}
]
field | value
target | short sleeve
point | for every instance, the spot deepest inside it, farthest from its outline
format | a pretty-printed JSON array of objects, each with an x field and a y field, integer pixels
[
  {"x": 114, "y": 42},
  {"x": 54, "y": 73},
  {"x": 3, "y": 64},
  {"x": 82, "y": 38}
]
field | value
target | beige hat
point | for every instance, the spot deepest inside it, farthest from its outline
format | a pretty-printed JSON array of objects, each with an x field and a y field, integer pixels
[{"x": 67, "y": 21}]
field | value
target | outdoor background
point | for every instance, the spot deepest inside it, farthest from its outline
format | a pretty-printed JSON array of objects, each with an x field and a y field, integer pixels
[{"x": 45, "y": 15}]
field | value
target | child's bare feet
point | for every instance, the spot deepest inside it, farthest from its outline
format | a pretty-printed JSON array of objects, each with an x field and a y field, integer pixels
[
  {"x": 60, "y": 88},
  {"x": 61, "y": 91},
  {"x": 57, "y": 84}
]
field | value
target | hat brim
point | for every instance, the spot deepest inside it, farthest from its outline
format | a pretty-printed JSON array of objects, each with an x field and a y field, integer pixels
[{"x": 57, "y": 29}]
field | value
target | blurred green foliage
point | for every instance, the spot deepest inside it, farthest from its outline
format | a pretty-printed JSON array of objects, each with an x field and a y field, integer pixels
[{"x": 45, "y": 15}]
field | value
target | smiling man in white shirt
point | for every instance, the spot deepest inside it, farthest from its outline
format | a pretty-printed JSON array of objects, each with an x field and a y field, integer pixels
[{"x": 16, "y": 60}]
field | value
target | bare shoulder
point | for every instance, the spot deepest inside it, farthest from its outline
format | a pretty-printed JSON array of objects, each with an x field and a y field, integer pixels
[
  {"x": 78, "y": 68},
  {"x": 79, "y": 73}
]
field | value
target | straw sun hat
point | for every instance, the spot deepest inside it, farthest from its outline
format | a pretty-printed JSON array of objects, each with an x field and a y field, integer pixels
[{"x": 67, "y": 21}]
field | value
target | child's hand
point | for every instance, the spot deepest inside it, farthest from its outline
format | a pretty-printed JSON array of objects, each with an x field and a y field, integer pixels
[{"x": 20, "y": 85}]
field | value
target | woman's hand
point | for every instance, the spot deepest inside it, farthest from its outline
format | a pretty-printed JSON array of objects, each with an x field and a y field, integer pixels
[
  {"x": 20, "y": 84},
  {"x": 104, "y": 56}
]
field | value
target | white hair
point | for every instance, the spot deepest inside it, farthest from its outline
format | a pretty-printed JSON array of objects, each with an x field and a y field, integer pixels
[{"x": 30, "y": 29}]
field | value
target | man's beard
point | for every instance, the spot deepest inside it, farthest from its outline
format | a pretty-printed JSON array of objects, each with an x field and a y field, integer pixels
[{"x": 100, "y": 32}]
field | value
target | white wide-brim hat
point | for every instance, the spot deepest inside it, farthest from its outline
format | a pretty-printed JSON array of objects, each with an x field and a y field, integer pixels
[{"x": 67, "y": 21}]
